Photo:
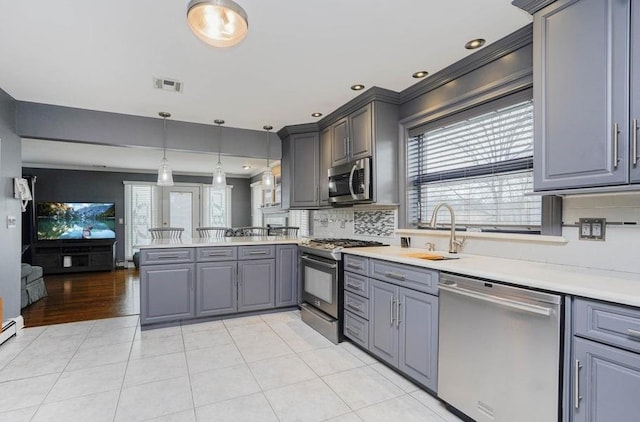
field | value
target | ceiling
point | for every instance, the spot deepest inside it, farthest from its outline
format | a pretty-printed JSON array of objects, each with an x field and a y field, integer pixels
[{"x": 299, "y": 56}]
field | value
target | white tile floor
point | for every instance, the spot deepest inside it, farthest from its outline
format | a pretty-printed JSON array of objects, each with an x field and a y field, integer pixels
[{"x": 271, "y": 367}]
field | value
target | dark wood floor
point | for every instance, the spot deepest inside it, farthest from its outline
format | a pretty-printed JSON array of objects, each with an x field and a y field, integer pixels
[{"x": 85, "y": 296}]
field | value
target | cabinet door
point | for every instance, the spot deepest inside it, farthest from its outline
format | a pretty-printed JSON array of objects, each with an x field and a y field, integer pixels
[
  {"x": 305, "y": 168},
  {"x": 635, "y": 92},
  {"x": 383, "y": 333},
  {"x": 339, "y": 142},
  {"x": 216, "y": 288},
  {"x": 166, "y": 292},
  {"x": 286, "y": 275},
  {"x": 418, "y": 353},
  {"x": 581, "y": 88},
  {"x": 256, "y": 284},
  {"x": 325, "y": 164},
  {"x": 361, "y": 136},
  {"x": 608, "y": 383}
]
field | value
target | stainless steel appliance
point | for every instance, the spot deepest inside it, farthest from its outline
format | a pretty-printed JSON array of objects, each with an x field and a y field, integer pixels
[
  {"x": 351, "y": 182},
  {"x": 321, "y": 280},
  {"x": 499, "y": 354}
]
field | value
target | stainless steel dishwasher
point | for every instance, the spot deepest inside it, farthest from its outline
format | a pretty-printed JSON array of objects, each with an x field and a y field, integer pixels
[{"x": 499, "y": 350}]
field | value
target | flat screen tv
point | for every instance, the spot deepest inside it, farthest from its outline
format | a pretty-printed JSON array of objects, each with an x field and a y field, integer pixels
[{"x": 76, "y": 220}]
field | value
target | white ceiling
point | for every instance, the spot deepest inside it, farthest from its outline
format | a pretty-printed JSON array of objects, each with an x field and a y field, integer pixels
[{"x": 299, "y": 56}]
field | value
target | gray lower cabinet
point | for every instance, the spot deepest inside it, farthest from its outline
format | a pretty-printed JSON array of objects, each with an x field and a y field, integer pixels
[
  {"x": 608, "y": 382},
  {"x": 403, "y": 330},
  {"x": 606, "y": 362},
  {"x": 216, "y": 290},
  {"x": 256, "y": 284},
  {"x": 167, "y": 292},
  {"x": 286, "y": 275},
  {"x": 635, "y": 92}
]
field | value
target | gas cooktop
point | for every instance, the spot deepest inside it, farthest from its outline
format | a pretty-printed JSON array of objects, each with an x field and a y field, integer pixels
[{"x": 330, "y": 247}]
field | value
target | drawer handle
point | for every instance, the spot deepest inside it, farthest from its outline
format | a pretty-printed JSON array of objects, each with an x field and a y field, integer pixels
[
  {"x": 356, "y": 266},
  {"x": 396, "y": 276},
  {"x": 169, "y": 257},
  {"x": 634, "y": 333},
  {"x": 354, "y": 286},
  {"x": 354, "y": 307},
  {"x": 353, "y": 332},
  {"x": 257, "y": 252}
]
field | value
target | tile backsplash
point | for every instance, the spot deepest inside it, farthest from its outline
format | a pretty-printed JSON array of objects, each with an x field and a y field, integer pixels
[
  {"x": 374, "y": 222},
  {"x": 347, "y": 222}
]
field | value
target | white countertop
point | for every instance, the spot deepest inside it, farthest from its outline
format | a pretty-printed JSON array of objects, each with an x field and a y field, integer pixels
[
  {"x": 618, "y": 287},
  {"x": 218, "y": 241}
]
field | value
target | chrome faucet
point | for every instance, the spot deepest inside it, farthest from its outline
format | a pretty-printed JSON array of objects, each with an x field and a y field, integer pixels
[{"x": 454, "y": 243}]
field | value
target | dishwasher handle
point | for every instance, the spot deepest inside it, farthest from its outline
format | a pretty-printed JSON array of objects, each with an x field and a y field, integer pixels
[{"x": 508, "y": 303}]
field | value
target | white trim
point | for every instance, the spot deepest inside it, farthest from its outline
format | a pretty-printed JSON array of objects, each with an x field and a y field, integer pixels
[
  {"x": 516, "y": 237},
  {"x": 19, "y": 320}
]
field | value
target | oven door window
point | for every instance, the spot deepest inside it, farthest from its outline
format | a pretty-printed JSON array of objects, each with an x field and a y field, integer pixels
[{"x": 319, "y": 284}]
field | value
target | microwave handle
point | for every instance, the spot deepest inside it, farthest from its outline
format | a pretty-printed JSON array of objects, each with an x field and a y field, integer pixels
[{"x": 353, "y": 170}]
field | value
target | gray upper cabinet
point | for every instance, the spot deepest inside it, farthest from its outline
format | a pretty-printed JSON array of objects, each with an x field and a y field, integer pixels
[
  {"x": 325, "y": 165},
  {"x": 608, "y": 382},
  {"x": 286, "y": 275},
  {"x": 635, "y": 92},
  {"x": 352, "y": 136},
  {"x": 581, "y": 94},
  {"x": 216, "y": 288},
  {"x": 166, "y": 292},
  {"x": 302, "y": 164},
  {"x": 256, "y": 284}
]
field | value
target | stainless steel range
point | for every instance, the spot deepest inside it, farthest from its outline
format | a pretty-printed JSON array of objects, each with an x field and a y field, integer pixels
[{"x": 322, "y": 290}]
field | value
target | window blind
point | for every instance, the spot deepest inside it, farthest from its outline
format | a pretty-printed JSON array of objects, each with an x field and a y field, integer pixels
[
  {"x": 141, "y": 213},
  {"x": 481, "y": 165},
  {"x": 216, "y": 207}
]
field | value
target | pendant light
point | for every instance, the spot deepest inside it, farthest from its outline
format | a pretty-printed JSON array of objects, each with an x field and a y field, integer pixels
[
  {"x": 165, "y": 176},
  {"x": 219, "y": 178},
  {"x": 267, "y": 177},
  {"x": 220, "y": 23}
]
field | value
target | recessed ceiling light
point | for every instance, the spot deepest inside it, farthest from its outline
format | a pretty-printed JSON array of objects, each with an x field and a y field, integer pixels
[
  {"x": 246, "y": 167},
  {"x": 473, "y": 44},
  {"x": 357, "y": 87},
  {"x": 420, "y": 74},
  {"x": 316, "y": 114}
]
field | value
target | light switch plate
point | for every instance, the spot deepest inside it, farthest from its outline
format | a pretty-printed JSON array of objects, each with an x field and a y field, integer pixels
[{"x": 11, "y": 222}]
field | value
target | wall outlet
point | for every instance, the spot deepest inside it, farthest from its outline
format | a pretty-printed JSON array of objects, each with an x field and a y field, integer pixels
[
  {"x": 11, "y": 222},
  {"x": 592, "y": 228}
]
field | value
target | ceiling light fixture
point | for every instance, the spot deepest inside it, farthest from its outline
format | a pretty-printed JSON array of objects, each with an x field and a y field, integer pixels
[
  {"x": 357, "y": 87},
  {"x": 473, "y": 44},
  {"x": 316, "y": 114},
  {"x": 220, "y": 23},
  {"x": 246, "y": 167},
  {"x": 219, "y": 178},
  {"x": 267, "y": 176},
  {"x": 165, "y": 175},
  {"x": 420, "y": 74}
]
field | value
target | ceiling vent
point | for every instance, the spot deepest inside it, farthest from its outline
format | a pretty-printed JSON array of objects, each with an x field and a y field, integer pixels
[{"x": 168, "y": 84}]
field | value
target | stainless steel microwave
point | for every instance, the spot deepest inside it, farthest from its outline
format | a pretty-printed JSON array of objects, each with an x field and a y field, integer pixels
[{"x": 351, "y": 182}]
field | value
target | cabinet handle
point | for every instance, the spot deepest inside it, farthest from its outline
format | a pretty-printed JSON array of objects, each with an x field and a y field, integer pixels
[
  {"x": 634, "y": 135},
  {"x": 391, "y": 310},
  {"x": 354, "y": 266},
  {"x": 354, "y": 286},
  {"x": 616, "y": 160},
  {"x": 576, "y": 384},
  {"x": 257, "y": 252},
  {"x": 634, "y": 333},
  {"x": 398, "y": 321},
  {"x": 395, "y": 276},
  {"x": 355, "y": 308},
  {"x": 169, "y": 257},
  {"x": 217, "y": 254},
  {"x": 353, "y": 332}
]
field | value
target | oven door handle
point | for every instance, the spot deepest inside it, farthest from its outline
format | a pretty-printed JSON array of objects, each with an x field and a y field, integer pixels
[
  {"x": 321, "y": 263},
  {"x": 353, "y": 170}
]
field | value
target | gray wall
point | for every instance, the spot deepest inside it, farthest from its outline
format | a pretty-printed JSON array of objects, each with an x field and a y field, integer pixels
[
  {"x": 102, "y": 186},
  {"x": 10, "y": 239}
]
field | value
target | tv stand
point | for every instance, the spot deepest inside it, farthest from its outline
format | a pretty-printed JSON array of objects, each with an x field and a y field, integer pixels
[{"x": 70, "y": 256}]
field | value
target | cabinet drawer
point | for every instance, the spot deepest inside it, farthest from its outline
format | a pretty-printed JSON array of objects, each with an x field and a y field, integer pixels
[
  {"x": 356, "y": 284},
  {"x": 421, "y": 279},
  {"x": 616, "y": 325},
  {"x": 166, "y": 256},
  {"x": 356, "y": 264},
  {"x": 356, "y": 329},
  {"x": 256, "y": 252},
  {"x": 356, "y": 304},
  {"x": 227, "y": 253}
]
